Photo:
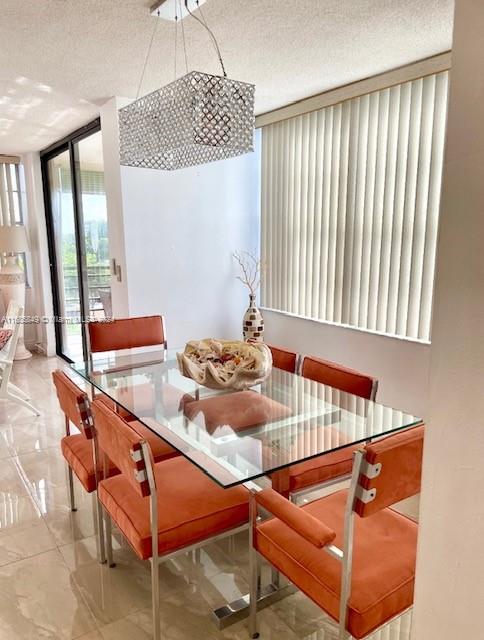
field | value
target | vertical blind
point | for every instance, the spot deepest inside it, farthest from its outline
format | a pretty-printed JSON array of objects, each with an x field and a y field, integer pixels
[
  {"x": 10, "y": 200},
  {"x": 11, "y": 209},
  {"x": 350, "y": 202}
]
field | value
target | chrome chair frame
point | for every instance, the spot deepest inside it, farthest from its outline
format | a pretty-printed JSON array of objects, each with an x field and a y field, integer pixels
[
  {"x": 156, "y": 559},
  {"x": 345, "y": 555},
  {"x": 95, "y": 502}
]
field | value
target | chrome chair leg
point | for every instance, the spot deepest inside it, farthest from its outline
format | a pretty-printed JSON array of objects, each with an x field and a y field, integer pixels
[
  {"x": 231, "y": 545},
  {"x": 253, "y": 593},
  {"x": 343, "y": 634},
  {"x": 72, "y": 498},
  {"x": 155, "y": 596},
  {"x": 254, "y": 570},
  {"x": 98, "y": 515},
  {"x": 275, "y": 577},
  {"x": 109, "y": 539}
]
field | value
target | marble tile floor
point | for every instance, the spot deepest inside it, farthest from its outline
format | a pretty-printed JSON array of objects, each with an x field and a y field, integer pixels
[{"x": 51, "y": 586}]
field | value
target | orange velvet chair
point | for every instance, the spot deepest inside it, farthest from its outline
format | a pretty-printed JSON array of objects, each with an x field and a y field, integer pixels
[
  {"x": 284, "y": 359},
  {"x": 334, "y": 466},
  {"x": 77, "y": 449},
  {"x": 158, "y": 507},
  {"x": 349, "y": 552},
  {"x": 133, "y": 333},
  {"x": 340, "y": 377},
  {"x": 127, "y": 333}
]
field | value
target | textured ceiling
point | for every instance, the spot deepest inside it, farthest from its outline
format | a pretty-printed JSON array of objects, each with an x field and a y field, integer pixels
[{"x": 61, "y": 59}]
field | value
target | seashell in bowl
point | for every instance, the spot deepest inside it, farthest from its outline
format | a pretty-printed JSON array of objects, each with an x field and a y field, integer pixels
[{"x": 225, "y": 364}]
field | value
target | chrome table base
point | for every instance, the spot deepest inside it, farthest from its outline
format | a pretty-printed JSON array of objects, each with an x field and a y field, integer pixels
[{"x": 239, "y": 609}]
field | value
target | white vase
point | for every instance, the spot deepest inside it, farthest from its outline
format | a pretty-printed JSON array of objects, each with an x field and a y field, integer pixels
[{"x": 253, "y": 324}]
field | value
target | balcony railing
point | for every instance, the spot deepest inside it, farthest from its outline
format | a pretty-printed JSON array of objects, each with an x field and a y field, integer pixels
[{"x": 98, "y": 278}]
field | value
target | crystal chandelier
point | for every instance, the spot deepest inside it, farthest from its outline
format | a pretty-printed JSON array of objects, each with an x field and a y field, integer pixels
[{"x": 198, "y": 118}]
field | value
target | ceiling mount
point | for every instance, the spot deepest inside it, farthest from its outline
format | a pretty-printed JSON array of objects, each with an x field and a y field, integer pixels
[{"x": 168, "y": 9}]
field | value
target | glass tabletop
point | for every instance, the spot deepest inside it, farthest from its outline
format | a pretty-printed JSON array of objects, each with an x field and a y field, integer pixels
[{"x": 238, "y": 436}]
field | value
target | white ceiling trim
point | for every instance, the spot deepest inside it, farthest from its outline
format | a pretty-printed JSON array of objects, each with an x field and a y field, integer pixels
[{"x": 407, "y": 73}]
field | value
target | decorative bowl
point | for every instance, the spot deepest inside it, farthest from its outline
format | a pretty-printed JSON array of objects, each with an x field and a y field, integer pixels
[{"x": 225, "y": 364}]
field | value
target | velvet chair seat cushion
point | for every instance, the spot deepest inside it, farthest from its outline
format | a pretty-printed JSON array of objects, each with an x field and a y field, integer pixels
[
  {"x": 77, "y": 450},
  {"x": 322, "y": 469},
  {"x": 383, "y": 567},
  {"x": 191, "y": 507},
  {"x": 141, "y": 399},
  {"x": 235, "y": 411},
  {"x": 160, "y": 449}
]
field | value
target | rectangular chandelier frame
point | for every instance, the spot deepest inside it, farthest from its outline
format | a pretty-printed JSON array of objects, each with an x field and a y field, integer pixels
[{"x": 198, "y": 118}]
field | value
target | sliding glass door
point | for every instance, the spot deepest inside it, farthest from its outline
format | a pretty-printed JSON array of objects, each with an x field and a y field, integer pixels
[
  {"x": 78, "y": 237},
  {"x": 66, "y": 263}
]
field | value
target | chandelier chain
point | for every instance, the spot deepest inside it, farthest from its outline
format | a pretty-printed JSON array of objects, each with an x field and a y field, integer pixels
[
  {"x": 199, "y": 7},
  {"x": 214, "y": 39},
  {"x": 183, "y": 36},
  {"x": 176, "y": 38},
  {"x": 147, "y": 56}
]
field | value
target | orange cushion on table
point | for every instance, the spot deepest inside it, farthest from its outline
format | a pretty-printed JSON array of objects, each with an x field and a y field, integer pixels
[
  {"x": 191, "y": 507},
  {"x": 160, "y": 449},
  {"x": 77, "y": 450},
  {"x": 238, "y": 410},
  {"x": 329, "y": 466},
  {"x": 383, "y": 562}
]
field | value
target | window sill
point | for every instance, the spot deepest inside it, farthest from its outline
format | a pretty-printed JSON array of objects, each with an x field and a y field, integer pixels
[{"x": 390, "y": 336}]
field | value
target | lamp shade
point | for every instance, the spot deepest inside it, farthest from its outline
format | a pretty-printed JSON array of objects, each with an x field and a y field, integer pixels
[{"x": 13, "y": 239}]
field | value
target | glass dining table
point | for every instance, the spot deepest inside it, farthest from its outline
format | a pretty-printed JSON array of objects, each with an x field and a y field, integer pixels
[{"x": 239, "y": 437}]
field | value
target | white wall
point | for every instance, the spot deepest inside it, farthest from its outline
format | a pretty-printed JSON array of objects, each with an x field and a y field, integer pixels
[
  {"x": 450, "y": 567},
  {"x": 173, "y": 233},
  {"x": 114, "y": 203},
  {"x": 180, "y": 230},
  {"x": 401, "y": 366}
]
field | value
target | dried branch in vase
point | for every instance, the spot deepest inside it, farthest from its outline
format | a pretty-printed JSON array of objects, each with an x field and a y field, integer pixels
[{"x": 252, "y": 268}]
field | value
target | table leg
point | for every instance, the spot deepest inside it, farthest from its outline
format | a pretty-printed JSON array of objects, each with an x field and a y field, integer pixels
[
  {"x": 232, "y": 612},
  {"x": 237, "y": 610}
]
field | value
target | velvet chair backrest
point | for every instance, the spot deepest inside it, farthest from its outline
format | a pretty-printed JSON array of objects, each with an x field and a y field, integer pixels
[
  {"x": 74, "y": 403},
  {"x": 283, "y": 359},
  {"x": 339, "y": 377},
  {"x": 398, "y": 477},
  {"x": 127, "y": 333},
  {"x": 122, "y": 445}
]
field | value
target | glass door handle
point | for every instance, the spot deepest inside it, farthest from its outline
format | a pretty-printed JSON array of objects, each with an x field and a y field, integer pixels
[{"x": 116, "y": 269}]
